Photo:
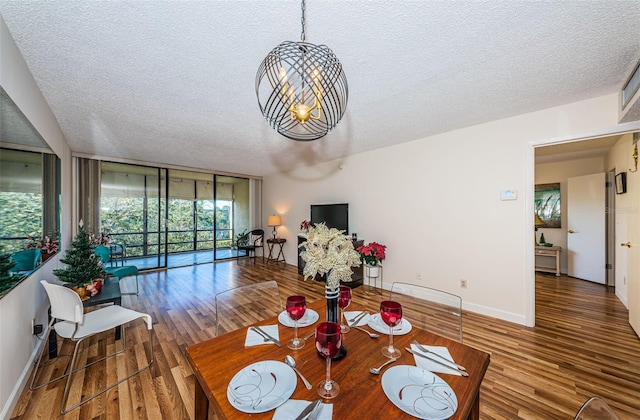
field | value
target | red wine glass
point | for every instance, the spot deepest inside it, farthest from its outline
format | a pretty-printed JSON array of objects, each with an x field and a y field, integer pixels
[
  {"x": 296, "y": 307},
  {"x": 328, "y": 343},
  {"x": 344, "y": 299},
  {"x": 391, "y": 314}
]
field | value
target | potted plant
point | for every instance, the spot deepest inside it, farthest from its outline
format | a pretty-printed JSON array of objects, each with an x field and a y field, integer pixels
[
  {"x": 304, "y": 226},
  {"x": 84, "y": 267},
  {"x": 372, "y": 255},
  {"x": 242, "y": 239}
]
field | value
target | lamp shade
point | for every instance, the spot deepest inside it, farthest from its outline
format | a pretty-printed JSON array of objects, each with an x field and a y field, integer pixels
[
  {"x": 537, "y": 221},
  {"x": 274, "y": 221}
]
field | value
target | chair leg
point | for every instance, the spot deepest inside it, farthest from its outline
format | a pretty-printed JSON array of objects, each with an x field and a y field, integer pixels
[
  {"x": 137, "y": 287},
  {"x": 67, "y": 386},
  {"x": 39, "y": 361}
]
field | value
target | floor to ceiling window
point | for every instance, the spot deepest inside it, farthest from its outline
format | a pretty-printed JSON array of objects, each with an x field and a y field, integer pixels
[
  {"x": 204, "y": 213},
  {"x": 132, "y": 207}
]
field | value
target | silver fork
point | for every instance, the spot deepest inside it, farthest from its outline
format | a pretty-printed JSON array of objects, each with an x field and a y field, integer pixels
[
  {"x": 357, "y": 317},
  {"x": 261, "y": 335},
  {"x": 316, "y": 412},
  {"x": 426, "y": 350}
]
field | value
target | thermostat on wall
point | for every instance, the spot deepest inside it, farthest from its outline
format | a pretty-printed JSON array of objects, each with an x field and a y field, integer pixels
[{"x": 506, "y": 195}]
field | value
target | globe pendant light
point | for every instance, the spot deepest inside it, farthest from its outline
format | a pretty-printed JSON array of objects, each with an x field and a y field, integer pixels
[{"x": 301, "y": 88}]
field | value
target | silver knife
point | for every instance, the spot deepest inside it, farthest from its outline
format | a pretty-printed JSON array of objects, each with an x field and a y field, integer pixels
[
  {"x": 358, "y": 318},
  {"x": 308, "y": 409},
  {"x": 426, "y": 350},
  {"x": 462, "y": 372},
  {"x": 264, "y": 333}
]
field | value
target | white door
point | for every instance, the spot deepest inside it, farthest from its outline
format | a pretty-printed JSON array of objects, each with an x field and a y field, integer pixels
[
  {"x": 632, "y": 249},
  {"x": 586, "y": 240}
]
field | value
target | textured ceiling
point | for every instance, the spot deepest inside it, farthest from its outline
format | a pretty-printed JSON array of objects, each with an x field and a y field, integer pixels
[{"x": 173, "y": 81}]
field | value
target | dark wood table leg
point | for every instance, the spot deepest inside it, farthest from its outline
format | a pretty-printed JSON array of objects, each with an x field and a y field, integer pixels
[
  {"x": 475, "y": 410},
  {"x": 201, "y": 403},
  {"x": 53, "y": 339},
  {"x": 118, "y": 328}
]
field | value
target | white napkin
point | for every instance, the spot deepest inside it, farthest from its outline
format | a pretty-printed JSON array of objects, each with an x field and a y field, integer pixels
[
  {"x": 292, "y": 409},
  {"x": 350, "y": 315},
  {"x": 425, "y": 364},
  {"x": 255, "y": 339}
]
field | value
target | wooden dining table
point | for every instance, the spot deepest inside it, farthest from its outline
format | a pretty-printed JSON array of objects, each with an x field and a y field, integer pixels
[{"x": 216, "y": 361}]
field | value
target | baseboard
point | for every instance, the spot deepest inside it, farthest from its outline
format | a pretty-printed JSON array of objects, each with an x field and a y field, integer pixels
[
  {"x": 12, "y": 401},
  {"x": 494, "y": 313},
  {"x": 485, "y": 310}
]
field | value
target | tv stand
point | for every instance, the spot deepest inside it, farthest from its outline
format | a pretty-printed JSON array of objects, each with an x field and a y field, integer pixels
[{"x": 356, "y": 272}]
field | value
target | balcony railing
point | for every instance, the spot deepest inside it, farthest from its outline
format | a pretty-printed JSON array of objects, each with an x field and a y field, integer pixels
[{"x": 141, "y": 244}]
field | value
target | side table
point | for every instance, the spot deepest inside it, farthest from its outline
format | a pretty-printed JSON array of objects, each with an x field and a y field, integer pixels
[
  {"x": 110, "y": 293},
  {"x": 271, "y": 243},
  {"x": 549, "y": 251}
]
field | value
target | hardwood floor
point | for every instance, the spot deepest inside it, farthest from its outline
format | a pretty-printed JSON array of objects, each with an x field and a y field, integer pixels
[{"x": 582, "y": 346}]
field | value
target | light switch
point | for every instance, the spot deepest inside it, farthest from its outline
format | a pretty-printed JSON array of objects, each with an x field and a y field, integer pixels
[{"x": 506, "y": 195}]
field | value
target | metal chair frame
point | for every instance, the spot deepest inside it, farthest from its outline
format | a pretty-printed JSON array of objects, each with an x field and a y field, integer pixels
[
  {"x": 249, "y": 301},
  {"x": 67, "y": 313},
  {"x": 256, "y": 240},
  {"x": 445, "y": 307}
]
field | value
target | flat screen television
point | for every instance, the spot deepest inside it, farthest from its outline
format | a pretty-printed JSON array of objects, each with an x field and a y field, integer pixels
[{"x": 334, "y": 215}]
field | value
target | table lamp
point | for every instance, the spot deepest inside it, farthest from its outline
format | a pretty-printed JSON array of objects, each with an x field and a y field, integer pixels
[
  {"x": 537, "y": 222},
  {"x": 274, "y": 221}
]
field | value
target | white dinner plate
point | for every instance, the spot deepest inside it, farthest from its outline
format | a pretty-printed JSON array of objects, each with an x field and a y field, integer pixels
[
  {"x": 376, "y": 323},
  {"x": 310, "y": 317},
  {"x": 261, "y": 386},
  {"x": 419, "y": 392}
]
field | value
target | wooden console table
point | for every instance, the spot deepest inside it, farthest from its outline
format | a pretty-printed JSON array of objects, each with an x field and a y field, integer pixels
[
  {"x": 549, "y": 251},
  {"x": 276, "y": 242}
]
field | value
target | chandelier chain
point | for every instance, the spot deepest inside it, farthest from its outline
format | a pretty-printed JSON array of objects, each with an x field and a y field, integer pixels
[{"x": 302, "y": 6}]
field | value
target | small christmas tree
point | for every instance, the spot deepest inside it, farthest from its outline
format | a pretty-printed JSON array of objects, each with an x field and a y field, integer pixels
[
  {"x": 83, "y": 265},
  {"x": 7, "y": 279}
]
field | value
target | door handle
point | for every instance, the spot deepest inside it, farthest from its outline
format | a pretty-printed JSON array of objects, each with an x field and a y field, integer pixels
[
  {"x": 627, "y": 244},
  {"x": 571, "y": 231}
]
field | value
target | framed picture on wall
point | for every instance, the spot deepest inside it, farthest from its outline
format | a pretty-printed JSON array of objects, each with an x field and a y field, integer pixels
[
  {"x": 547, "y": 204},
  {"x": 621, "y": 183}
]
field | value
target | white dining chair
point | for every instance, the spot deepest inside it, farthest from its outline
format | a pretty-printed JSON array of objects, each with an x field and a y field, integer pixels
[
  {"x": 70, "y": 322},
  {"x": 596, "y": 408},
  {"x": 430, "y": 309},
  {"x": 245, "y": 305}
]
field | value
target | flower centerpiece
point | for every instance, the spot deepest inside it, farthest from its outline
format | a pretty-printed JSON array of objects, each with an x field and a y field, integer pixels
[
  {"x": 328, "y": 251},
  {"x": 83, "y": 266},
  {"x": 372, "y": 253}
]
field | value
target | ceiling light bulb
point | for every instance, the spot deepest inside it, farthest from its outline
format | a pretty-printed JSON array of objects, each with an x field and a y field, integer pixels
[{"x": 302, "y": 113}]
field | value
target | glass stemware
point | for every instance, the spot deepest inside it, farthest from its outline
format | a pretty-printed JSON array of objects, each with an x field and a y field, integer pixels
[
  {"x": 391, "y": 314},
  {"x": 328, "y": 343},
  {"x": 296, "y": 307},
  {"x": 344, "y": 299}
]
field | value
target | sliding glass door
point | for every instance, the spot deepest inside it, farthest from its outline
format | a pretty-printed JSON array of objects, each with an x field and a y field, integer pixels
[
  {"x": 169, "y": 217},
  {"x": 133, "y": 212}
]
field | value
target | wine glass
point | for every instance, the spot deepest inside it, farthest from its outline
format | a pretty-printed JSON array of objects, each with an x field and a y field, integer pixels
[
  {"x": 391, "y": 314},
  {"x": 328, "y": 343},
  {"x": 296, "y": 307},
  {"x": 344, "y": 299}
]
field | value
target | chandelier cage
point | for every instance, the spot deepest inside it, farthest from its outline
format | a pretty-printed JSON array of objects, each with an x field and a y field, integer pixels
[{"x": 302, "y": 89}]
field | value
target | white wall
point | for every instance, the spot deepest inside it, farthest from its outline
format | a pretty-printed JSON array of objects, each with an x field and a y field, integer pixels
[
  {"x": 27, "y": 301},
  {"x": 435, "y": 203},
  {"x": 547, "y": 173}
]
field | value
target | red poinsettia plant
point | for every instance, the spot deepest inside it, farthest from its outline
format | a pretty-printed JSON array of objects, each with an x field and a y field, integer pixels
[
  {"x": 372, "y": 253},
  {"x": 305, "y": 225}
]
